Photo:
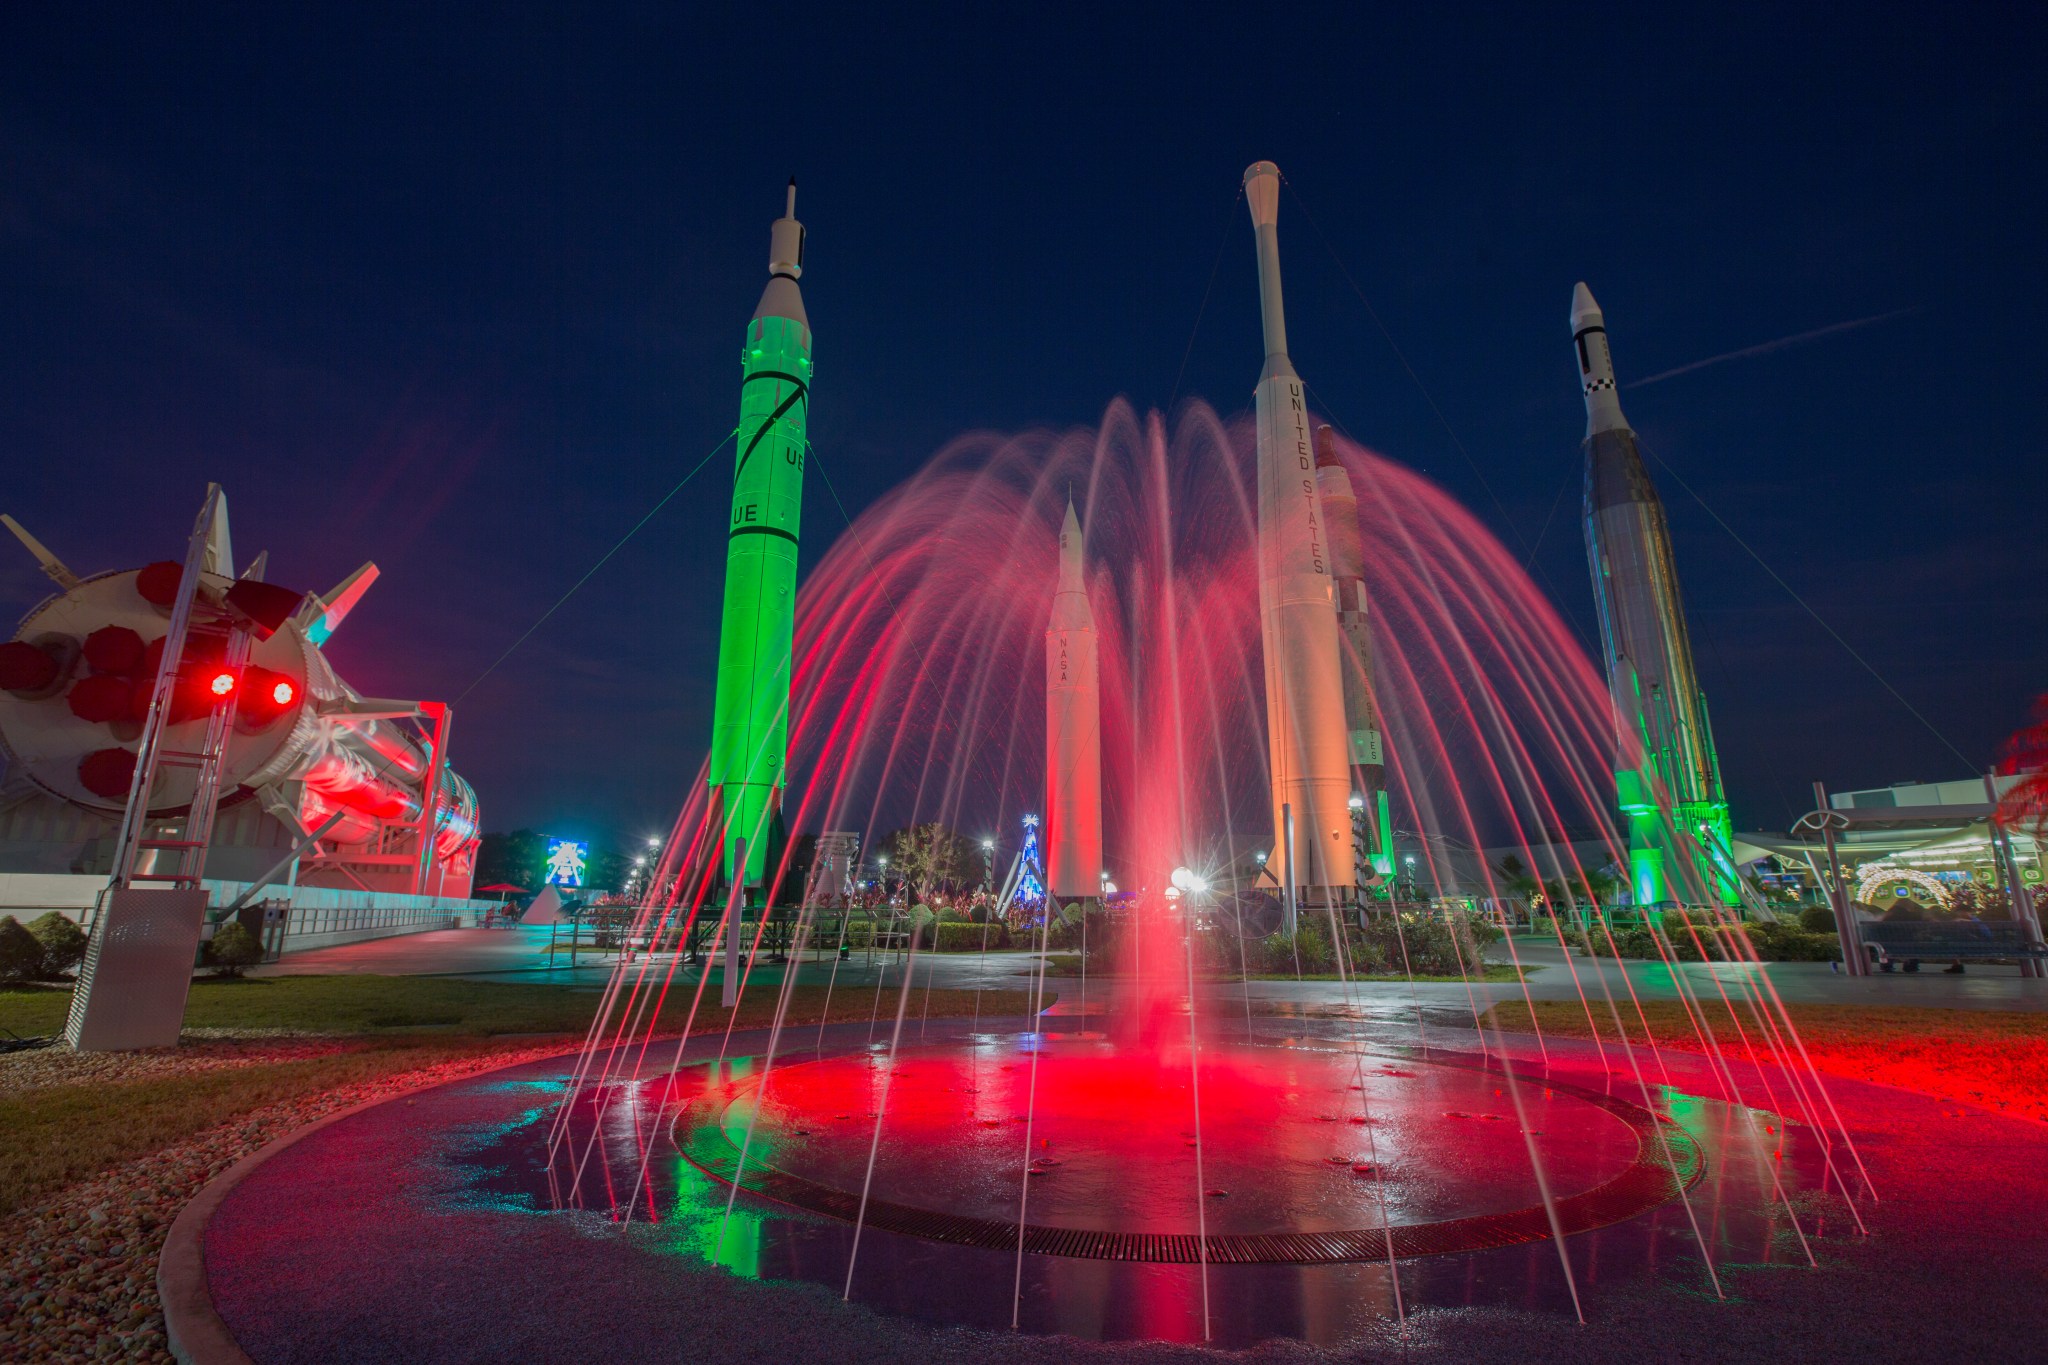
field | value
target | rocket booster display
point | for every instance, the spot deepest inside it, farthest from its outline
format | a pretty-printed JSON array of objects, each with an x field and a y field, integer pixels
[
  {"x": 1674, "y": 855},
  {"x": 1361, "y": 705},
  {"x": 1073, "y": 729},
  {"x": 750, "y": 722},
  {"x": 1306, "y": 739}
]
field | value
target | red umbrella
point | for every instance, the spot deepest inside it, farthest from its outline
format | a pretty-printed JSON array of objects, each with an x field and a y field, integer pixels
[{"x": 503, "y": 886}]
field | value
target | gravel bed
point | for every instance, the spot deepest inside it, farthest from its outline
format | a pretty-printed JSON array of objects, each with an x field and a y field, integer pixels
[
  {"x": 203, "y": 1050},
  {"x": 78, "y": 1269}
]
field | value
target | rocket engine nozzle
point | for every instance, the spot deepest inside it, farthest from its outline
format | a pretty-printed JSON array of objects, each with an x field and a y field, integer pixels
[
  {"x": 786, "y": 240},
  {"x": 1262, "y": 194}
]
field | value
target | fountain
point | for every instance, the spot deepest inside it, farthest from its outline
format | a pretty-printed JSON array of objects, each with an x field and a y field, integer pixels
[
  {"x": 1152, "y": 1149},
  {"x": 1153, "y": 1138}
]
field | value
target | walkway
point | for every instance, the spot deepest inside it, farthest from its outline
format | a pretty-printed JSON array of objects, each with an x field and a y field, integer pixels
[{"x": 520, "y": 954}]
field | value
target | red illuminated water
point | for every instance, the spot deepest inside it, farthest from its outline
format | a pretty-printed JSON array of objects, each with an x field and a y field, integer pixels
[{"x": 1285, "y": 1146}]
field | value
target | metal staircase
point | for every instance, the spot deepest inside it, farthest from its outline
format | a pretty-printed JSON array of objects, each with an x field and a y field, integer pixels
[{"x": 145, "y": 935}]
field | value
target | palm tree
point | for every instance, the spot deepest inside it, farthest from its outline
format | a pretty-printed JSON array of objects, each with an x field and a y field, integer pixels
[{"x": 1516, "y": 876}]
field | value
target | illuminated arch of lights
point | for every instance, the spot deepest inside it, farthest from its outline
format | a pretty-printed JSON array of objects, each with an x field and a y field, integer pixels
[{"x": 1873, "y": 875}]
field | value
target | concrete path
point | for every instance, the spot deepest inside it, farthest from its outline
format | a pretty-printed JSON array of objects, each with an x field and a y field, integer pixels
[{"x": 520, "y": 954}]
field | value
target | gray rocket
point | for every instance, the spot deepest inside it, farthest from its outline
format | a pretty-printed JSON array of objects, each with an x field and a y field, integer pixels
[{"x": 1666, "y": 773}]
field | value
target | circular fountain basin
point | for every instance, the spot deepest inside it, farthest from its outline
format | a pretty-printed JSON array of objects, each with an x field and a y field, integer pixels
[{"x": 1278, "y": 1154}]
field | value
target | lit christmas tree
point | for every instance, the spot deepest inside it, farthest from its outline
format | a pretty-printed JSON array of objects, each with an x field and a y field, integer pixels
[{"x": 1031, "y": 882}]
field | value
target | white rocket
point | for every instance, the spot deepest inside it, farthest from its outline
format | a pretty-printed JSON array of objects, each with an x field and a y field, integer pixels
[
  {"x": 1073, "y": 730},
  {"x": 1354, "y": 628},
  {"x": 1306, "y": 734}
]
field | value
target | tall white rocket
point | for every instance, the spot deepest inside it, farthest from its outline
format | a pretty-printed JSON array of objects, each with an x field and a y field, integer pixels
[
  {"x": 1306, "y": 734},
  {"x": 1073, "y": 730}
]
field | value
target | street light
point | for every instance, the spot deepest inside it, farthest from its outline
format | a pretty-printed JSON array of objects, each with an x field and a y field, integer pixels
[{"x": 1357, "y": 801}]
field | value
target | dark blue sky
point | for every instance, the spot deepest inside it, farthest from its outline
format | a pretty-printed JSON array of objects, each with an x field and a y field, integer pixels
[{"x": 462, "y": 290}]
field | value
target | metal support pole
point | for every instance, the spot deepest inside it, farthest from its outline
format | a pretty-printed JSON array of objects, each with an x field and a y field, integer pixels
[
  {"x": 2020, "y": 898},
  {"x": 734, "y": 904},
  {"x": 443, "y": 717},
  {"x": 1855, "y": 961},
  {"x": 290, "y": 859},
  {"x": 1289, "y": 911}
]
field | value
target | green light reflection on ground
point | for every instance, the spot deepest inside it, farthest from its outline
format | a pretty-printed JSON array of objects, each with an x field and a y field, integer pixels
[{"x": 692, "y": 1226}]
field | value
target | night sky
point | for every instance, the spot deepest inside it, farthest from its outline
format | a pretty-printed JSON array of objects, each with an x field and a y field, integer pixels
[{"x": 462, "y": 291}]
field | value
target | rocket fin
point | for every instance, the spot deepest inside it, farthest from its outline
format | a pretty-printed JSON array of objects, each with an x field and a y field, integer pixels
[
  {"x": 220, "y": 545},
  {"x": 323, "y": 615},
  {"x": 53, "y": 566}
]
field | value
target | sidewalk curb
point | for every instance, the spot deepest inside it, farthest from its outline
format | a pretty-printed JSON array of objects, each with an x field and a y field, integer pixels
[{"x": 193, "y": 1326}]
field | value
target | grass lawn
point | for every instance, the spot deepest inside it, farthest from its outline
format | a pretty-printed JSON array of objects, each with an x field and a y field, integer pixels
[
  {"x": 1069, "y": 964},
  {"x": 1998, "y": 1060},
  {"x": 57, "y": 1135}
]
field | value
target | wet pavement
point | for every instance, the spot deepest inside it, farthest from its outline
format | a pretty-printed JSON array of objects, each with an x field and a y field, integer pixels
[{"x": 429, "y": 1230}]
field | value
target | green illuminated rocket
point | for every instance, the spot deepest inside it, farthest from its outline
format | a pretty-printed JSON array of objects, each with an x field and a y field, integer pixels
[
  {"x": 1667, "y": 775},
  {"x": 750, "y": 722}
]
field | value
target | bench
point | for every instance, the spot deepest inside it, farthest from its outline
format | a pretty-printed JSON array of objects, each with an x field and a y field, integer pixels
[{"x": 1914, "y": 941}]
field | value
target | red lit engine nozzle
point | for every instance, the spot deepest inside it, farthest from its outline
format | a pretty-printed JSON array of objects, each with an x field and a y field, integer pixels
[
  {"x": 267, "y": 696},
  {"x": 77, "y": 682}
]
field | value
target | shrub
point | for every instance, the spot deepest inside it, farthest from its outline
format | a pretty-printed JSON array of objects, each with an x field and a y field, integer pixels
[
  {"x": 1434, "y": 946},
  {"x": 63, "y": 942},
  {"x": 1071, "y": 923},
  {"x": 963, "y": 937},
  {"x": 1772, "y": 942},
  {"x": 1368, "y": 956},
  {"x": 1313, "y": 946},
  {"x": 21, "y": 955},
  {"x": 1817, "y": 919},
  {"x": 1785, "y": 943},
  {"x": 1308, "y": 952},
  {"x": 233, "y": 949}
]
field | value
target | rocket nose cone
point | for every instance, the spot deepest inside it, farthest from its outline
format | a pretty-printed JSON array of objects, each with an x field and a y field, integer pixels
[
  {"x": 1326, "y": 449},
  {"x": 1262, "y": 192},
  {"x": 1584, "y": 309}
]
